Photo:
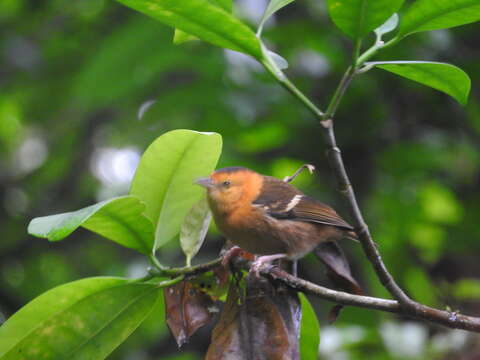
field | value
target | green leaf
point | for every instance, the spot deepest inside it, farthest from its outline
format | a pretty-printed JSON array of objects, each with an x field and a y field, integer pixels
[
  {"x": 309, "y": 330},
  {"x": 388, "y": 26},
  {"x": 271, "y": 9},
  {"x": 84, "y": 319},
  {"x": 119, "y": 219},
  {"x": 357, "y": 18},
  {"x": 165, "y": 175},
  {"x": 181, "y": 37},
  {"x": 443, "y": 77},
  {"x": 203, "y": 19},
  {"x": 194, "y": 229},
  {"x": 425, "y": 15}
]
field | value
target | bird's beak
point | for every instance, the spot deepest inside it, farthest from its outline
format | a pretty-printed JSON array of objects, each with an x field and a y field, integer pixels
[{"x": 206, "y": 182}]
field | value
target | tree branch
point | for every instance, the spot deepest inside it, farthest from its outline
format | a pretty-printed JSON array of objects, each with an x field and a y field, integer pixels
[
  {"x": 415, "y": 311},
  {"x": 369, "y": 246}
]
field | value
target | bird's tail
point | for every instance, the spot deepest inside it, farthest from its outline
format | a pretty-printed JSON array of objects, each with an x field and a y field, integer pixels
[{"x": 351, "y": 235}]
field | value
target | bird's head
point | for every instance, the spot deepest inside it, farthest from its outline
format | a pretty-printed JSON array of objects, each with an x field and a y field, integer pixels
[{"x": 231, "y": 187}]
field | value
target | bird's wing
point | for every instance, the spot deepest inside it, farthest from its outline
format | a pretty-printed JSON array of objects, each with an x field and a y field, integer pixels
[
  {"x": 309, "y": 209},
  {"x": 283, "y": 201}
]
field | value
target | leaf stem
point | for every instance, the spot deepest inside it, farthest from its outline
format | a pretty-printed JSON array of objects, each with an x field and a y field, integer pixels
[
  {"x": 374, "y": 49},
  {"x": 339, "y": 92},
  {"x": 171, "y": 282},
  {"x": 287, "y": 84},
  {"x": 157, "y": 264},
  {"x": 187, "y": 270}
]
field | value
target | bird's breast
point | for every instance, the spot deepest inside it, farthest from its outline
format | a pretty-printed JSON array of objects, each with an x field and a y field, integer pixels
[{"x": 250, "y": 229}]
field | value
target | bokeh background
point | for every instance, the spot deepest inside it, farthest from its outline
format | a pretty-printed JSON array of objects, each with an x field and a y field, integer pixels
[{"x": 86, "y": 85}]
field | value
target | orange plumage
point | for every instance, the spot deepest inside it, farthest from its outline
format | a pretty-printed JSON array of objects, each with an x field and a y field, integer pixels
[{"x": 267, "y": 216}]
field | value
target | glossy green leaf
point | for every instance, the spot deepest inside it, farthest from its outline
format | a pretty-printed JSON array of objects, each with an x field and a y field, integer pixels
[
  {"x": 425, "y": 15},
  {"x": 164, "y": 178},
  {"x": 443, "y": 77},
  {"x": 181, "y": 37},
  {"x": 203, "y": 19},
  {"x": 85, "y": 319},
  {"x": 119, "y": 219},
  {"x": 357, "y": 18},
  {"x": 271, "y": 9},
  {"x": 194, "y": 228},
  {"x": 309, "y": 330}
]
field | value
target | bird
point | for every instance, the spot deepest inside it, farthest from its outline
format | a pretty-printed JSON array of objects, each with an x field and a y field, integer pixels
[{"x": 269, "y": 217}]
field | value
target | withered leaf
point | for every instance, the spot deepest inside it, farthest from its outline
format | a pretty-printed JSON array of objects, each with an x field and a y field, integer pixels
[
  {"x": 186, "y": 309},
  {"x": 262, "y": 324}
]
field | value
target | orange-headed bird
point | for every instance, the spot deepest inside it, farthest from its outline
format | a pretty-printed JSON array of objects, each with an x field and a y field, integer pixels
[{"x": 269, "y": 217}]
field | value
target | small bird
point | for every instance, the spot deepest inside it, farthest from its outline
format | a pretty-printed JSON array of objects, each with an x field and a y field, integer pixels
[{"x": 269, "y": 217}]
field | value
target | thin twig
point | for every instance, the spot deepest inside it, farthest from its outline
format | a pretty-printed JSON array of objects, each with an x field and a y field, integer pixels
[
  {"x": 369, "y": 247},
  {"x": 449, "y": 319},
  {"x": 310, "y": 168}
]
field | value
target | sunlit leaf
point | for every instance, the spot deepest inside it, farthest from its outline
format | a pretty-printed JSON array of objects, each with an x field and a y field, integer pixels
[
  {"x": 309, "y": 330},
  {"x": 424, "y": 15},
  {"x": 119, "y": 219},
  {"x": 203, "y": 19},
  {"x": 85, "y": 319},
  {"x": 443, "y": 77},
  {"x": 181, "y": 37},
  {"x": 194, "y": 229},
  {"x": 357, "y": 18},
  {"x": 271, "y": 9},
  {"x": 165, "y": 175}
]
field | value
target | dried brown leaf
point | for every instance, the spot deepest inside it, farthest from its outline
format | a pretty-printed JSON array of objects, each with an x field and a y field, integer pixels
[
  {"x": 187, "y": 309},
  {"x": 263, "y": 324}
]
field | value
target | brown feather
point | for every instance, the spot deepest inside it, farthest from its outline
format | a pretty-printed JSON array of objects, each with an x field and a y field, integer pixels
[{"x": 277, "y": 198}]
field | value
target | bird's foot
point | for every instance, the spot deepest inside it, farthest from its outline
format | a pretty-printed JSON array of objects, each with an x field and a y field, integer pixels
[
  {"x": 263, "y": 261},
  {"x": 230, "y": 254}
]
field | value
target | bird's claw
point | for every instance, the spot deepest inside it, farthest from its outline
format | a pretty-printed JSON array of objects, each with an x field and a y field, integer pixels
[
  {"x": 261, "y": 263},
  {"x": 230, "y": 254},
  {"x": 256, "y": 267}
]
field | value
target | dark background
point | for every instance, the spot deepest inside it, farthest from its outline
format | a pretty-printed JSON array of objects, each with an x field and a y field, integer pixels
[{"x": 74, "y": 75}]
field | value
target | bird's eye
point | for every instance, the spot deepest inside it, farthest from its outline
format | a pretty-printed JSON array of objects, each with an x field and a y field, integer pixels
[{"x": 226, "y": 183}]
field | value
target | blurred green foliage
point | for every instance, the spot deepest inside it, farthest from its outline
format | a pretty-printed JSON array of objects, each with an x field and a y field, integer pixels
[{"x": 75, "y": 74}]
